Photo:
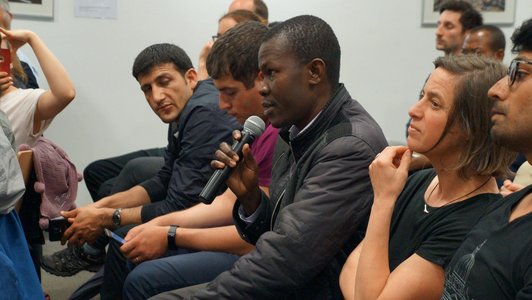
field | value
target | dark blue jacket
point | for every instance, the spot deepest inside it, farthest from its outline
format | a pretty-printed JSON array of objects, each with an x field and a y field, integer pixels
[{"x": 192, "y": 141}]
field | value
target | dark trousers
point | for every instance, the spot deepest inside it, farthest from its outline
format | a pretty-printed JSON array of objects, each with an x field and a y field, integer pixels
[
  {"x": 177, "y": 269},
  {"x": 112, "y": 175},
  {"x": 102, "y": 176},
  {"x": 116, "y": 268}
]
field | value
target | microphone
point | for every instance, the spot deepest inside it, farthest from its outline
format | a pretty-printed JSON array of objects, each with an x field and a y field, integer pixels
[{"x": 253, "y": 127}]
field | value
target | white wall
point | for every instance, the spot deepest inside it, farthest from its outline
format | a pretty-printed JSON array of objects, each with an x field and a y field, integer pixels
[{"x": 386, "y": 56}]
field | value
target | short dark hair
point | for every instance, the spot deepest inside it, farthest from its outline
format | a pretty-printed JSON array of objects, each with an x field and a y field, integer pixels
[
  {"x": 309, "y": 37},
  {"x": 469, "y": 18},
  {"x": 159, "y": 54},
  {"x": 261, "y": 9},
  {"x": 496, "y": 36},
  {"x": 236, "y": 53},
  {"x": 241, "y": 15},
  {"x": 522, "y": 37},
  {"x": 471, "y": 111}
]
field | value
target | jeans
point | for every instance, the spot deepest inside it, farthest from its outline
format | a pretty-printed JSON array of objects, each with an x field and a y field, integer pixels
[
  {"x": 180, "y": 268},
  {"x": 175, "y": 272}
]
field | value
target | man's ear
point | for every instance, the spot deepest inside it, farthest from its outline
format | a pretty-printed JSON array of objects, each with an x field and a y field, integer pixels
[
  {"x": 191, "y": 78},
  {"x": 499, "y": 54},
  {"x": 316, "y": 70}
]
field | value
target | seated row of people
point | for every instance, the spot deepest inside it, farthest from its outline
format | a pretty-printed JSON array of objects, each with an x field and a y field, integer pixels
[
  {"x": 320, "y": 196},
  {"x": 296, "y": 232}
]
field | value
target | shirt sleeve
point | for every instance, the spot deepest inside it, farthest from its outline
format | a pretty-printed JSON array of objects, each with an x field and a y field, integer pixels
[
  {"x": 252, "y": 227},
  {"x": 11, "y": 182},
  {"x": 334, "y": 199},
  {"x": 44, "y": 123}
]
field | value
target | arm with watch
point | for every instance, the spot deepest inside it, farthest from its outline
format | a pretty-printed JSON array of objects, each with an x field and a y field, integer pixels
[
  {"x": 201, "y": 227},
  {"x": 89, "y": 221},
  {"x": 155, "y": 240}
]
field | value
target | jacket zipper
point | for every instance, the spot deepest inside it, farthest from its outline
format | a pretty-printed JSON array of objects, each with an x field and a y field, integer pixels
[{"x": 276, "y": 207}]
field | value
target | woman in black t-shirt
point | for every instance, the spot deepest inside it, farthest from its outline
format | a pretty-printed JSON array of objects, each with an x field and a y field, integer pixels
[{"x": 416, "y": 224}]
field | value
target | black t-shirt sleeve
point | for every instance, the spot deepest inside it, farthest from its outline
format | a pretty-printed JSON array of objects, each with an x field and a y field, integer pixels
[{"x": 526, "y": 291}]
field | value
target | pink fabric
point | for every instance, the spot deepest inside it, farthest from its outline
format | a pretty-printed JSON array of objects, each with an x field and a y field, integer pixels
[
  {"x": 262, "y": 150},
  {"x": 57, "y": 179}
]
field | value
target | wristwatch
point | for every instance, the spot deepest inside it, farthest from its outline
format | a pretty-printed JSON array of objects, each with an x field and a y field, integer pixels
[
  {"x": 117, "y": 217},
  {"x": 171, "y": 237}
]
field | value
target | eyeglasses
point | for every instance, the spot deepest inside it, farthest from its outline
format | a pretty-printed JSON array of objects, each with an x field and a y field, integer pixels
[
  {"x": 215, "y": 37},
  {"x": 514, "y": 67}
]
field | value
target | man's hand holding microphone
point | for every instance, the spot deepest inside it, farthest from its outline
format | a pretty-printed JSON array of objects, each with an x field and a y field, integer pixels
[{"x": 236, "y": 167}]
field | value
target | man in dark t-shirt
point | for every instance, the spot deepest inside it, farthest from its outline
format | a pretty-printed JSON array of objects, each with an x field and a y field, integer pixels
[{"x": 495, "y": 261}]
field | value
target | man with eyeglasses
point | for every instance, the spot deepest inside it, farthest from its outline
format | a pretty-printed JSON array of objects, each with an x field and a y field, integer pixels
[{"x": 494, "y": 262}]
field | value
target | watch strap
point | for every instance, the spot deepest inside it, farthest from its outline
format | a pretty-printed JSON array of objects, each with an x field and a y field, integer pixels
[{"x": 171, "y": 237}]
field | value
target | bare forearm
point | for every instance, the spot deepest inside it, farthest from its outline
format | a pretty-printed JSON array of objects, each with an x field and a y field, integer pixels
[
  {"x": 225, "y": 239},
  {"x": 373, "y": 266},
  {"x": 131, "y": 216},
  {"x": 219, "y": 213},
  {"x": 136, "y": 196}
]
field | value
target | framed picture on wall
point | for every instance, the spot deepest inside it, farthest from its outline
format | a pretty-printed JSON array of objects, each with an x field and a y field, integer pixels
[
  {"x": 493, "y": 11},
  {"x": 39, "y": 9}
]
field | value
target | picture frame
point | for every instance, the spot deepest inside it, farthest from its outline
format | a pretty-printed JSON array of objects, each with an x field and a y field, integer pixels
[
  {"x": 32, "y": 9},
  {"x": 499, "y": 12}
]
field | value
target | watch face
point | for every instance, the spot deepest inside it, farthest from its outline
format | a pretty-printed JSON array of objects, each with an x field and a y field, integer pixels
[
  {"x": 171, "y": 238},
  {"x": 117, "y": 217}
]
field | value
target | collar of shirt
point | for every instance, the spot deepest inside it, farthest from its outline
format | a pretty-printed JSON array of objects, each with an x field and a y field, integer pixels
[{"x": 294, "y": 131}]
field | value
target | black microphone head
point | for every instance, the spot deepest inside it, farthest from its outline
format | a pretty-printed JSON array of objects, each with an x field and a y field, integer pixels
[{"x": 254, "y": 125}]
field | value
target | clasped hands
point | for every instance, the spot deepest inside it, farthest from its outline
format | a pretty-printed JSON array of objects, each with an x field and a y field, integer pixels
[{"x": 87, "y": 224}]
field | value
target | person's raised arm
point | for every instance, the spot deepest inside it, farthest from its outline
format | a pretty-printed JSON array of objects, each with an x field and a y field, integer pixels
[
  {"x": 302, "y": 244},
  {"x": 61, "y": 91},
  {"x": 416, "y": 277}
]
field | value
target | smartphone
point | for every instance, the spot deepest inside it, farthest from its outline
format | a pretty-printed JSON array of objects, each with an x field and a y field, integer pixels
[
  {"x": 5, "y": 60},
  {"x": 115, "y": 237},
  {"x": 5, "y": 57},
  {"x": 56, "y": 228}
]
